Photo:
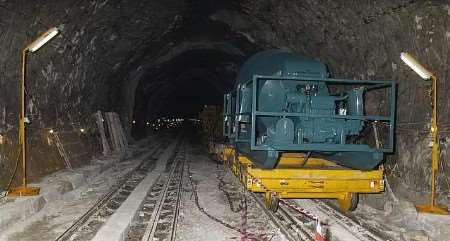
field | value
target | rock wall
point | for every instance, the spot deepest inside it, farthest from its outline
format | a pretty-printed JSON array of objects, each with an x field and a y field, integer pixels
[
  {"x": 107, "y": 48},
  {"x": 363, "y": 40},
  {"x": 80, "y": 71}
]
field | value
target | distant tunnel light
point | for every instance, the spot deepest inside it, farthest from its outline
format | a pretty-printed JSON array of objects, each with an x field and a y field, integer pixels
[
  {"x": 414, "y": 65},
  {"x": 43, "y": 39}
]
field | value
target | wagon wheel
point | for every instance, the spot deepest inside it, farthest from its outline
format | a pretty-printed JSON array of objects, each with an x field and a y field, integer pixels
[
  {"x": 233, "y": 164},
  {"x": 271, "y": 201},
  {"x": 241, "y": 174},
  {"x": 244, "y": 176},
  {"x": 349, "y": 202}
]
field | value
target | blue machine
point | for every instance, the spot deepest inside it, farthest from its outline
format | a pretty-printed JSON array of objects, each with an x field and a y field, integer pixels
[{"x": 282, "y": 103}]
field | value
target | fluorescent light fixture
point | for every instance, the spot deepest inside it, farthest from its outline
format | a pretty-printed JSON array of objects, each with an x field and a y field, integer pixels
[
  {"x": 414, "y": 65},
  {"x": 43, "y": 39}
]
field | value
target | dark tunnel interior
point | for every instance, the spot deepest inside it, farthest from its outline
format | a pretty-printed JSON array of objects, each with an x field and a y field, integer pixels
[{"x": 180, "y": 87}]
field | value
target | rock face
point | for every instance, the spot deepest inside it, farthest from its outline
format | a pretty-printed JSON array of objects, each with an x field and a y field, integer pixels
[
  {"x": 80, "y": 71},
  {"x": 145, "y": 59},
  {"x": 363, "y": 40}
]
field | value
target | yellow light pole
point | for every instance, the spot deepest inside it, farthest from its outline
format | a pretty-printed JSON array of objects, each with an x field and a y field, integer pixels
[
  {"x": 433, "y": 207},
  {"x": 24, "y": 190}
]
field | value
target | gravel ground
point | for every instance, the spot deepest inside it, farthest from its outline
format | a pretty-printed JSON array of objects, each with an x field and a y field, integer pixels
[
  {"x": 221, "y": 196},
  {"x": 214, "y": 206},
  {"x": 58, "y": 215}
]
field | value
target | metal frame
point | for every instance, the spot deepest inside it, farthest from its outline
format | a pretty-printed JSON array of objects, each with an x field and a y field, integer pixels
[
  {"x": 228, "y": 101},
  {"x": 226, "y": 113},
  {"x": 389, "y": 85},
  {"x": 318, "y": 179}
]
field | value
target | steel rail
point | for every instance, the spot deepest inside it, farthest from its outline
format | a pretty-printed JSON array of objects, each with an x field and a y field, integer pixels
[
  {"x": 301, "y": 228},
  {"x": 68, "y": 233},
  {"x": 156, "y": 213},
  {"x": 284, "y": 221},
  {"x": 177, "y": 207},
  {"x": 295, "y": 229},
  {"x": 356, "y": 229}
]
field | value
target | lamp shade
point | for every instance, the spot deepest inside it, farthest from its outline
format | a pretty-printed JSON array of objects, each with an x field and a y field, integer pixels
[
  {"x": 43, "y": 39},
  {"x": 414, "y": 65}
]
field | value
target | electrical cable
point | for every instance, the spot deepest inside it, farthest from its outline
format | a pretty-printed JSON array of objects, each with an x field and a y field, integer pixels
[
  {"x": 221, "y": 187},
  {"x": 201, "y": 209},
  {"x": 13, "y": 174},
  {"x": 305, "y": 160}
]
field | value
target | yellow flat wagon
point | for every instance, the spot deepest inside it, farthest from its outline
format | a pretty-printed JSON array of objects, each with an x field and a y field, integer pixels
[{"x": 299, "y": 177}]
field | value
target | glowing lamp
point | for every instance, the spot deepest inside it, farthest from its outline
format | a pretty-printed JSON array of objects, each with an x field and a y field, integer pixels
[
  {"x": 433, "y": 207},
  {"x": 414, "y": 65},
  {"x": 43, "y": 39}
]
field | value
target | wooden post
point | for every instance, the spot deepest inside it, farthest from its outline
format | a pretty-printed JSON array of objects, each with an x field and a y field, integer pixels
[{"x": 101, "y": 129}]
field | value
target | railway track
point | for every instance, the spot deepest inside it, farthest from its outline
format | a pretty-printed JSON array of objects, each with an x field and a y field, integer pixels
[
  {"x": 158, "y": 215},
  {"x": 293, "y": 227},
  {"x": 292, "y": 219},
  {"x": 297, "y": 226},
  {"x": 85, "y": 227},
  {"x": 348, "y": 223}
]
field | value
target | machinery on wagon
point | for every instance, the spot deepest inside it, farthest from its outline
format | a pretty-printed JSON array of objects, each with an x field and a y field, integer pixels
[
  {"x": 211, "y": 122},
  {"x": 296, "y": 133}
]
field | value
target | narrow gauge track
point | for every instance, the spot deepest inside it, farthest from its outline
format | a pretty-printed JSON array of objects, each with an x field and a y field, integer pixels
[
  {"x": 292, "y": 226},
  {"x": 85, "y": 227},
  {"x": 361, "y": 232},
  {"x": 158, "y": 215},
  {"x": 296, "y": 226}
]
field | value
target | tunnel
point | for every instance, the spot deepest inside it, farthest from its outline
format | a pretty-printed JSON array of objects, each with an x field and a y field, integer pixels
[
  {"x": 180, "y": 87},
  {"x": 107, "y": 102}
]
